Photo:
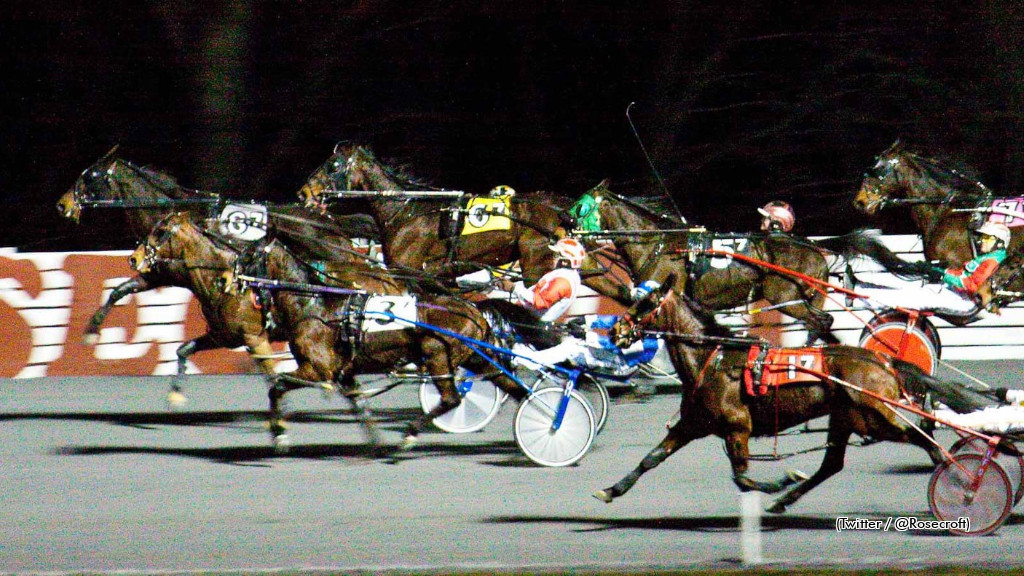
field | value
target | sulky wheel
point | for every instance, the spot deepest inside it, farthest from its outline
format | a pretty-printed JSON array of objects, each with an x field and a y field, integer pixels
[
  {"x": 920, "y": 346},
  {"x": 481, "y": 401},
  {"x": 950, "y": 494},
  {"x": 594, "y": 391},
  {"x": 1013, "y": 464},
  {"x": 540, "y": 441}
]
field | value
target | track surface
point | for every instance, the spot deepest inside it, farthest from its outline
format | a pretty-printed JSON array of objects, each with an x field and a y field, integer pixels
[{"x": 97, "y": 475}]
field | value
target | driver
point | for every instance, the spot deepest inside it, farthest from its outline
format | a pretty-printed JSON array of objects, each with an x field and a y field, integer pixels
[
  {"x": 777, "y": 216},
  {"x": 552, "y": 297},
  {"x": 953, "y": 289}
]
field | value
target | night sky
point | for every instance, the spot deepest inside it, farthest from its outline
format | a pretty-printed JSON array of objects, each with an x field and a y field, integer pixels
[{"x": 737, "y": 103}]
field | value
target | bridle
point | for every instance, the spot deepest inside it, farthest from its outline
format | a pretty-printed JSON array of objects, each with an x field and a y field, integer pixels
[{"x": 634, "y": 321}]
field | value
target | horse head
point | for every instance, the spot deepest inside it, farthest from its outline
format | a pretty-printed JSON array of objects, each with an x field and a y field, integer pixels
[
  {"x": 159, "y": 246},
  {"x": 630, "y": 326},
  {"x": 585, "y": 213},
  {"x": 346, "y": 169},
  {"x": 90, "y": 185},
  {"x": 883, "y": 181}
]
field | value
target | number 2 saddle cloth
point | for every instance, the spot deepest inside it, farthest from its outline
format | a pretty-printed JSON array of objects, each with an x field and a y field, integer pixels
[{"x": 769, "y": 368}]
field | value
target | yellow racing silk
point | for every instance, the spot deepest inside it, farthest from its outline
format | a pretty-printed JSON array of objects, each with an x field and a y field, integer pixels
[{"x": 486, "y": 213}]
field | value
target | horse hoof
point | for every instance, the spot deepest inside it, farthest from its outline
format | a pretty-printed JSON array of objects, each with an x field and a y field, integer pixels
[
  {"x": 409, "y": 442},
  {"x": 176, "y": 399},
  {"x": 282, "y": 444},
  {"x": 90, "y": 338},
  {"x": 795, "y": 476},
  {"x": 604, "y": 496}
]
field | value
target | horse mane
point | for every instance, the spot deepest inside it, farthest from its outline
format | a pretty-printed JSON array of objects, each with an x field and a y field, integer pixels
[
  {"x": 162, "y": 182},
  {"x": 658, "y": 209},
  {"x": 947, "y": 171}
]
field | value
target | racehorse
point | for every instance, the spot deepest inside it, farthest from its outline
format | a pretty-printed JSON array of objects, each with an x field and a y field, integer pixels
[
  {"x": 148, "y": 195},
  {"x": 335, "y": 337},
  {"x": 716, "y": 401},
  {"x": 417, "y": 234},
  {"x": 653, "y": 246},
  {"x": 185, "y": 254},
  {"x": 934, "y": 192}
]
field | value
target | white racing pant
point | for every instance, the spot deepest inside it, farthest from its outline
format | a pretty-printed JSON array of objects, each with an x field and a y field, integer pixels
[
  {"x": 896, "y": 292},
  {"x": 993, "y": 420},
  {"x": 576, "y": 351}
]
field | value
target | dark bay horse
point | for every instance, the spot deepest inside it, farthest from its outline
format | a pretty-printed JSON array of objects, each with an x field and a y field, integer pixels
[
  {"x": 147, "y": 195},
  {"x": 715, "y": 401},
  {"x": 415, "y": 232},
  {"x": 332, "y": 336},
  {"x": 934, "y": 192},
  {"x": 653, "y": 246},
  {"x": 188, "y": 255}
]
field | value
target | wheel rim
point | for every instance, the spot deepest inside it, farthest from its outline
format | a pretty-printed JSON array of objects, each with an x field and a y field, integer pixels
[
  {"x": 548, "y": 447},
  {"x": 480, "y": 404},
  {"x": 595, "y": 393},
  {"x": 950, "y": 486},
  {"x": 1013, "y": 464}
]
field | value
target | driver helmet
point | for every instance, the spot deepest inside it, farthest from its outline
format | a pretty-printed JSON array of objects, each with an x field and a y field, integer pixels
[
  {"x": 499, "y": 191},
  {"x": 780, "y": 214},
  {"x": 997, "y": 230},
  {"x": 571, "y": 250}
]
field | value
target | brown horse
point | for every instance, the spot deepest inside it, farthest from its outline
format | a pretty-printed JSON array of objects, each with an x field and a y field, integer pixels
[
  {"x": 185, "y": 254},
  {"x": 148, "y": 195},
  {"x": 934, "y": 193},
  {"x": 416, "y": 234},
  {"x": 715, "y": 401},
  {"x": 653, "y": 246},
  {"x": 334, "y": 337}
]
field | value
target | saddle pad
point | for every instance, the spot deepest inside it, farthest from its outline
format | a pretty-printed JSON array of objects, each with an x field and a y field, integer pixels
[
  {"x": 243, "y": 221},
  {"x": 388, "y": 312},
  {"x": 484, "y": 214},
  {"x": 732, "y": 244},
  {"x": 1011, "y": 211},
  {"x": 780, "y": 366}
]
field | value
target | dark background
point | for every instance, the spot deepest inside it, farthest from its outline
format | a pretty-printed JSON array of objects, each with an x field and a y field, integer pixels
[{"x": 736, "y": 102}]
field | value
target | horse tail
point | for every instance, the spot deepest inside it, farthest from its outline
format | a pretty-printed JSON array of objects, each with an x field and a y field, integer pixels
[
  {"x": 960, "y": 397},
  {"x": 511, "y": 323},
  {"x": 863, "y": 243}
]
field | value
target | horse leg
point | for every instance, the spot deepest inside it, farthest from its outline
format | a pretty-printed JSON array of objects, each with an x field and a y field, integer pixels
[
  {"x": 281, "y": 384},
  {"x": 674, "y": 440},
  {"x": 131, "y": 286},
  {"x": 450, "y": 399},
  {"x": 349, "y": 391},
  {"x": 835, "y": 455},
  {"x": 175, "y": 397},
  {"x": 737, "y": 446}
]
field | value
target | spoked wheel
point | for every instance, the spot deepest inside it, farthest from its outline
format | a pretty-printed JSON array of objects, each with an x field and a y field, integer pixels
[
  {"x": 888, "y": 334},
  {"x": 1013, "y": 464},
  {"x": 540, "y": 441},
  {"x": 594, "y": 391},
  {"x": 951, "y": 497},
  {"x": 481, "y": 401}
]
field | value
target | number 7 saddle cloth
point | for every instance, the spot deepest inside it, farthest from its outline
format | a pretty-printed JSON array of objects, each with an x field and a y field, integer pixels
[{"x": 768, "y": 368}]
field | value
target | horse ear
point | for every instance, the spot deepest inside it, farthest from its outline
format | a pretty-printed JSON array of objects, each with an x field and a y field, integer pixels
[
  {"x": 603, "y": 183},
  {"x": 110, "y": 154}
]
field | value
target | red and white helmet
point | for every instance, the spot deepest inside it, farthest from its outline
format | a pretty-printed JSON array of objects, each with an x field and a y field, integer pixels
[
  {"x": 780, "y": 213},
  {"x": 996, "y": 229},
  {"x": 572, "y": 250}
]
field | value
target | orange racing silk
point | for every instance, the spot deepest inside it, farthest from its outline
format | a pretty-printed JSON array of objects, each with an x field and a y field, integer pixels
[{"x": 779, "y": 366}]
